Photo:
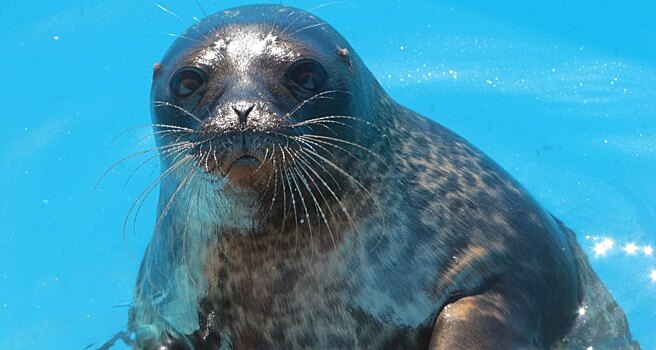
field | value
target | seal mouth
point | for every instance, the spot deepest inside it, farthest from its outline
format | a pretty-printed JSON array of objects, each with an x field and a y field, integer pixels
[
  {"x": 219, "y": 154},
  {"x": 242, "y": 155},
  {"x": 239, "y": 163},
  {"x": 246, "y": 161}
]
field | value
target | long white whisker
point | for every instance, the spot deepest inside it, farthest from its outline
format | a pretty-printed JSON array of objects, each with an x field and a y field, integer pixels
[
  {"x": 316, "y": 203},
  {"x": 167, "y": 104},
  {"x": 305, "y": 209},
  {"x": 321, "y": 137},
  {"x": 314, "y": 97},
  {"x": 307, "y": 13},
  {"x": 180, "y": 18},
  {"x": 358, "y": 184},
  {"x": 305, "y": 159}
]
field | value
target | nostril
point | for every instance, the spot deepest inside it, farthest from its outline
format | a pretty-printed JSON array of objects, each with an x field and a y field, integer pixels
[{"x": 242, "y": 111}]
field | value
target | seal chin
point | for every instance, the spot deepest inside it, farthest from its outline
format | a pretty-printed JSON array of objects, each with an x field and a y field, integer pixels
[
  {"x": 239, "y": 168},
  {"x": 246, "y": 171}
]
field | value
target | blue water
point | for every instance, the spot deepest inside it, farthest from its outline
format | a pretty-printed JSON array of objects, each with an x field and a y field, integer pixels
[{"x": 562, "y": 95}]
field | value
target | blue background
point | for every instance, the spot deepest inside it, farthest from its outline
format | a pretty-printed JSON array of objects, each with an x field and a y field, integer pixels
[{"x": 561, "y": 93}]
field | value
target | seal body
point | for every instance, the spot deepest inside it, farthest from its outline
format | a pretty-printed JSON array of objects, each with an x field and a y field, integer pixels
[{"x": 301, "y": 207}]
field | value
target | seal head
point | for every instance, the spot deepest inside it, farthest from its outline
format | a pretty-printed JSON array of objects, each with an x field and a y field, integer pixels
[{"x": 247, "y": 81}]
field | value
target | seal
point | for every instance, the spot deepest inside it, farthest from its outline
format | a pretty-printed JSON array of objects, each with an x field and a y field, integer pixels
[{"x": 301, "y": 207}]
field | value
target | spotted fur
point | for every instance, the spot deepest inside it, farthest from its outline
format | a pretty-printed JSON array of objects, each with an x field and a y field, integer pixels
[{"x": 366, "y": 225}]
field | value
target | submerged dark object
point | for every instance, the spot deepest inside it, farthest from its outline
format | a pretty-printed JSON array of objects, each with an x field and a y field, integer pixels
[{"x": 301, "y": 207}]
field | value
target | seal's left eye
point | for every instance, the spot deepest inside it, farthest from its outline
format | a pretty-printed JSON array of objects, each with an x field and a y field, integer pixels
[
  {"x": 308, "y": 75},
  {"x": 187, "y": 81}
]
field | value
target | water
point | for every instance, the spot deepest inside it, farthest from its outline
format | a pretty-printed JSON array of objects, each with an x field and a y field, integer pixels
[{"x": 562, "y": 95}]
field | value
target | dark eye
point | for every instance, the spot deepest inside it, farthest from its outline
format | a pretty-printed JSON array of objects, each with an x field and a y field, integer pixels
[
  {"x": 187, "y": 81},
  {"x": 308, "y": 75}
]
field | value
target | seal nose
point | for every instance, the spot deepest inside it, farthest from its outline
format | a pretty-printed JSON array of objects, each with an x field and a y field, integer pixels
[{"x": 243, "y": 110}]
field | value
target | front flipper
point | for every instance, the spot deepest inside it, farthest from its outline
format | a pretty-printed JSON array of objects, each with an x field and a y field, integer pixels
[
  {"x": 485, "y": 321},
  {"x": 150, "y": 338}
]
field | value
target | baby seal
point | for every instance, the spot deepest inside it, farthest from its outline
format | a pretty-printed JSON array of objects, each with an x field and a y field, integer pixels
[{"x": 301, "y": 207}]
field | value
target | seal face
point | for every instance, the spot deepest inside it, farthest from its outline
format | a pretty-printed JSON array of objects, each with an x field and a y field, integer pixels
[{"x": 301, "y": 207}]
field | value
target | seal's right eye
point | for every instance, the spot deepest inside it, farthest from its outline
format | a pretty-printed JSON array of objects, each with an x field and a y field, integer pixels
[{"x": 187, "y": 81}]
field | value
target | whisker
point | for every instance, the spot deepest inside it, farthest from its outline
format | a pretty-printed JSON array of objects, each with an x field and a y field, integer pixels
[
  {"x": 264, "y": 159},
  {"x": 306, "y": 159},
  {"x": 180, "y": 18},
  {"x": 320, "y": 138},
  {"x": 322, "y": 142},
  {"x": 183, "y": 37},
  {"x": 163, "y": 213},
  {"x": 143, "y": 201},
  {"x": 317, "y": 205},
  {"x": 323, "y": 125},
  {"x": 331, "y": 118},
  {"x": 165, "y": 133},
  {"x": 148, "y": 126},
  {"x": 147, "y": 191},
  {"x": 166, "y": 208},
  {"x": 314, "y": 97},
  {"x": 186, "y": 233},
  {"x": 275, "y": 19},
  {"x": 201, "y": 8},
  {"x": 358, "y": 184},
  {"x": 293, "y": 168},
  {"x": 321, "y": 121},
  {"x": 124, "y": 159},
  {"x": 291, "y": 193},
  {"x": 305, "y": 210},
  {"x": 310, "y": 145},
  {"x": 269, "y": 178},
  {"x": 168, "y": 11},
  {"x": 165, "y": 153},
  {"x": 284, "y": 204},
  {"x": 167, "y": 104},
  {"x": 273, "y": 175},
  {"x": 307, "y": 13},
  {"x": 308, "y": 27}
]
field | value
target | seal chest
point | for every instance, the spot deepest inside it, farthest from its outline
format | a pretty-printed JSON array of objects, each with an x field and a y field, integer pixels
[{"x": 301, "y": 207}]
